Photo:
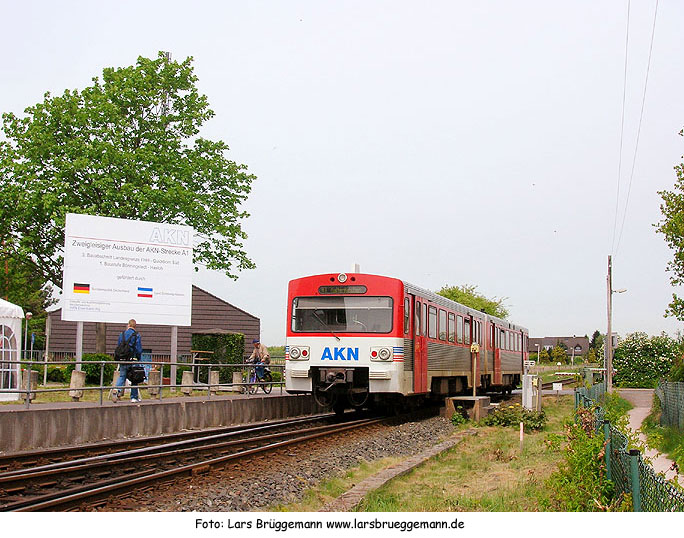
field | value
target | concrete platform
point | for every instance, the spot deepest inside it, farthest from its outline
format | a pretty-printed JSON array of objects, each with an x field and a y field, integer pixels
[{"x": 69, "y": 424}]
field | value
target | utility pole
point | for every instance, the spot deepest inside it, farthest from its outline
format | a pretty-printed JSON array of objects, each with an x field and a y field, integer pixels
[{"x": 609, "y": 334}]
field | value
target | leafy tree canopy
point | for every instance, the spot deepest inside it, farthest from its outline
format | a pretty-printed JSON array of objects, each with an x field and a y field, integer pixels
[
  {"x": 127, "y": 146},
  {"x": 469, "y": 296},
  {"x": 672, "y": 227},
  {"x": 19, "y": 286}
]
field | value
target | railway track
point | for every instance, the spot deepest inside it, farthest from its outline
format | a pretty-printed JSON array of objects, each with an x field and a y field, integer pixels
[
  {"x": 34, "y": 458},
  {"x": 70, "y": 482},
  {"x": 564, "y": 381}
]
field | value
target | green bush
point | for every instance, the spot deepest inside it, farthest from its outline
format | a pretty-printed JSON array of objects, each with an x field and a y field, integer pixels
[
  {"x": 677, "y": 371},
  {"x": 92, "y": 371},
  {"x": 640, "y": 361},
  {"x": 513, "y": 415},
  {"x": 225, "y": 348},
  {"x": 58, "y": 374},
  {"x": 459, "y": 417},
  {"x": 166, "y": 372},
  {"x": 580, "y": 483}
]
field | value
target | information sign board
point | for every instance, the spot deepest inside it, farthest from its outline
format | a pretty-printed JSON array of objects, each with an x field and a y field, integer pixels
[
  {"x": 558, "y": 386},
  {"x": 118, "y": 269}
]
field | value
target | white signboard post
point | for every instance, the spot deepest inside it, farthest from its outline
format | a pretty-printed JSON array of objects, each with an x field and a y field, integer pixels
[{"x": 118, "y": 269}]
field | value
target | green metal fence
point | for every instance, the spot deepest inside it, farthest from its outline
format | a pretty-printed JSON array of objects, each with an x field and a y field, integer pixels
[
  {"x": 671, "y": 396},
  {"x": 650, "y": 492}
]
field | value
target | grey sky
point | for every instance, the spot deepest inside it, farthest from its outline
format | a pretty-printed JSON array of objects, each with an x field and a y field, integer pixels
[{"x": 441, "y": 142}]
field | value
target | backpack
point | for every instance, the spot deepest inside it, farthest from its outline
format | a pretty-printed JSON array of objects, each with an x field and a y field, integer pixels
[{"x": 125, "y": 350}]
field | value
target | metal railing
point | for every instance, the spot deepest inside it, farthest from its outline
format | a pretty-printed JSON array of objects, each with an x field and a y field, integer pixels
[
  {"x": 625, "y": 467},
  {"x": 200, "y": 371}
]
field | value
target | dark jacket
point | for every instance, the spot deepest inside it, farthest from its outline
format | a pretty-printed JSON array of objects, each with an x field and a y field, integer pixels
[{"x": 136, "y": 342}]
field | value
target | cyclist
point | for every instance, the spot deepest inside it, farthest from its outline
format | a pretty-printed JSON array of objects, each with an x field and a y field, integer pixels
[{"x": 260, "y": 358}]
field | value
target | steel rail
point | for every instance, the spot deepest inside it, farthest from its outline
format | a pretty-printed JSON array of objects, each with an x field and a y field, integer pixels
[
  {"x": 71, "y": 453},
  {"x": 112, "y": 457},
  {"x": 107, "y": 487},
  {"x": 167, "y": 452}
]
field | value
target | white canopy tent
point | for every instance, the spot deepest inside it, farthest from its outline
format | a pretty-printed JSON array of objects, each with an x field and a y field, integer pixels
[{"x": 11, "y": 317}]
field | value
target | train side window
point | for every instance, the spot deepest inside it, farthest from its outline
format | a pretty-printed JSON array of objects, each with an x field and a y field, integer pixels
[
  {"x": 425, "y": 320},
  {"x": 466, "y": 327},
  {"x": 502, "y": 339},
  {"x": 432, "y": 322},
  {"x": 416, "y": 320},
  {"x": 478, "y": 331},
  {"x": 442, "y": 325},
  {"x": 407, "y": 315},
  {"x": 452, "y": 327},
  {"x": 459, "y": 330}
]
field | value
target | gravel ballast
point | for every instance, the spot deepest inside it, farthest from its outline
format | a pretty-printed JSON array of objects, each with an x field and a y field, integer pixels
[{"x": 282, "y": 477}]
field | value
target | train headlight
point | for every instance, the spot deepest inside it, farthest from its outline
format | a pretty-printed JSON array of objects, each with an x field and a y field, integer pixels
[
  {"x": 380, "y": 354},
  {"x": 342, "y": 278},
  {"x": 300, "y": 353}
]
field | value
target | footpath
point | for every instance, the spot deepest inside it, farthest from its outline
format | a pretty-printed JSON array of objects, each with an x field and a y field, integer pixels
[{"x": 642, "y": 399}]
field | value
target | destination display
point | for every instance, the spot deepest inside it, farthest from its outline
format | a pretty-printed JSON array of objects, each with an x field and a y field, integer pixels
[{"x": 118, "y": 269}]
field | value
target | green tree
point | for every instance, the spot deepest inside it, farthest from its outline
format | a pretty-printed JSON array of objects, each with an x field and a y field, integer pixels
[
  {"x": 591, "y": 356},
  {"x": 640, "y": 360},
  {"x": 596, "y": 342},
  {"x": 469, "y": 296},
  {"x": 672, "y": 227},
  {"x": 544, "y": 356},
  {"x": 128, "y": 146},
  {"x": 19, "y": 286},
  {"x": 558, "y": 354}
]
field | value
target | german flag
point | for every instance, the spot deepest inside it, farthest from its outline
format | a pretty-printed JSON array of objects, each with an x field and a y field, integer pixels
[{"x": 81, "y": 288}]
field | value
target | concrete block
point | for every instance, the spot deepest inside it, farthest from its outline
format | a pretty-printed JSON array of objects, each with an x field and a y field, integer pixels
[
  {"x": 214, "y": 381},
  {"x": 187, "y": 380},
  {"x": 34, "y": 382},
  {"x": 77, "y": 382},
  {"x": 154, "y": 378},
  {"x": 237, "y": 379}
]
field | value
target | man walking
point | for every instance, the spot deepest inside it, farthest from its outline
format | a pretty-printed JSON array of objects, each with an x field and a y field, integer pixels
[{"x": 132, "y": 338}]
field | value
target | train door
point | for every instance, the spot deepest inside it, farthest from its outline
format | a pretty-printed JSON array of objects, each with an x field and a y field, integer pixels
[
  {"x": 498, "y": 374},
  {"x": 419, "y": 347}
]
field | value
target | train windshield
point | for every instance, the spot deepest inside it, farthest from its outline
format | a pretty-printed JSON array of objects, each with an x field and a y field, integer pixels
[{"x": 342, "y": 314}]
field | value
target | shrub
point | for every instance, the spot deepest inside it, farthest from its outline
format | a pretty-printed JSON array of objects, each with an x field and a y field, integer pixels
[
  {"x": 580, "y": 483},
  {"x": 225, "y": 348},
  {"x": 459, "y": 417},
  {"x": 166, "y": 372},
  {"x": 92, "y": 371},
  {"x": 57, "y": 374},
  {"x": 640, "y": 361},
  {"x": 513, "y": 415}
]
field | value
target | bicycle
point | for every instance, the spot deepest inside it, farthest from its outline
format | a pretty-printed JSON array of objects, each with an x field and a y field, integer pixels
[{"x": 254, "y": 382}]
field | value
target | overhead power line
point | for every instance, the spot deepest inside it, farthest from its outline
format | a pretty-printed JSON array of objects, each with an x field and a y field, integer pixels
[
  {"x": 622, "y": 129},
  {"x": 641, "y": 116}
]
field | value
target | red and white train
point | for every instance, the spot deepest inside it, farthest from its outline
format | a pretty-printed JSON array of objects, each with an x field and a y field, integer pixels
[{"x": 357, "y": 339}]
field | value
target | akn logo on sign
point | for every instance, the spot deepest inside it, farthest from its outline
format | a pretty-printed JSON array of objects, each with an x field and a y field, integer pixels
[{"x": 341, "y": 354}]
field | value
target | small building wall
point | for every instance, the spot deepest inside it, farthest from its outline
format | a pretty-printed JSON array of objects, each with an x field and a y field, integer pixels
[{"x": 208, "y": 312}]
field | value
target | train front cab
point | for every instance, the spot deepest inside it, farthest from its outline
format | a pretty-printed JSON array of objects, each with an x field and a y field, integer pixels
[{"x": 344, "y": 338}]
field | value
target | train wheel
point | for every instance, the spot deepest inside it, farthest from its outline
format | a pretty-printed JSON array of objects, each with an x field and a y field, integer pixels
[
  {"x": 339, "y": 407},
  {"x": 324, "y": 398},
  {"x": 357, "y": 399}
]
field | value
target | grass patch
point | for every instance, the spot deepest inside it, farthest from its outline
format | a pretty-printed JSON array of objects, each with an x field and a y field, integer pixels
[
  {"x": 314, "y": 498},
  {"x": 666, "y": 440},
  {"x": 485, "y": 472}
]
